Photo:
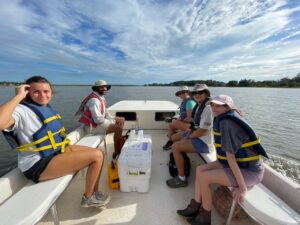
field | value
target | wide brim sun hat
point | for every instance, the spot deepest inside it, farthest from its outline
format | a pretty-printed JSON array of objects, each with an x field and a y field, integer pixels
[
  {"x": 199, "y": 87},
  {"x": 223, "y": 100},
  {"x": 182, "y": 89},
  {"x": 100, "y": 83}
]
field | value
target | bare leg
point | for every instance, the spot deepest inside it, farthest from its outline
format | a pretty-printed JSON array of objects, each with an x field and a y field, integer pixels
[
  {"x": 72, "y": 161},
  {"x": 177, "y": 125},
  {"x": 96, "y": 188},
  {"x": 202, "y": 168},
  {"x": 213, "y": 173},
  {"x": 117, "y": 130},
  {"x": 177, "y": 137},
  {"x": 177, "y": 148}
]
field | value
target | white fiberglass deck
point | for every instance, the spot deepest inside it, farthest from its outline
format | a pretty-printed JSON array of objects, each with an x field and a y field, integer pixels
[
  {"x": 145, "y": 105},
  {"x": 156, "y": 207}
]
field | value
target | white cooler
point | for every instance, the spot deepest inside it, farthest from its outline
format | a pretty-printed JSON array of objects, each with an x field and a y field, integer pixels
[{"x": 134, "y": 164}]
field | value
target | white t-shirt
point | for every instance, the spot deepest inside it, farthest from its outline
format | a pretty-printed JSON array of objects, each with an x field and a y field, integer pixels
[
  {"x": 206, "y": 122},
  {"x": 26, "y": 124}
]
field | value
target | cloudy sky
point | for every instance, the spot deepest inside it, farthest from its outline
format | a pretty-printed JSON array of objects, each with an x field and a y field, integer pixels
[{"x": 139, "y": 41}]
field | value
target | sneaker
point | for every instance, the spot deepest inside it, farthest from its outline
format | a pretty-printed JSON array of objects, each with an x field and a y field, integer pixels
[
  {"x": 102, "y": 197},
  {"x": 168, "y": 145},
  {"x": 93, "y": 201},
  {"x": 176, "y": 182}
]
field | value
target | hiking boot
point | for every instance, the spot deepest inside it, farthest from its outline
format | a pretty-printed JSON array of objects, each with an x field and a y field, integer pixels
[
  {"x": 93, "y": 201},
  {"x": 191, "y": 210},
  {"x": 114, "y": 155},
  {"x": 168, "y": 145},
  {"x": 176, "y": 182},
  {"x": 203, "y": 218}
]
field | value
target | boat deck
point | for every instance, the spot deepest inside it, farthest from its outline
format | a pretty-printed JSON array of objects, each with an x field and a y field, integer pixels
[{"x": 156, "y": 207}]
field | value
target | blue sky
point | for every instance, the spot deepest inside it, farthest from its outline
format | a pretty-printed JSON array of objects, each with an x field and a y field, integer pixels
[{"x": 140, "y": 42}]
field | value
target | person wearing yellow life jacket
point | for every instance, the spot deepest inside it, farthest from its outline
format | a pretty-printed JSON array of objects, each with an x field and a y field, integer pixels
[
  {"x": 95, "y": 117},
  {"x": 38, "y": 134},
  {"x": 238, "y": 163},
  {"x": 49, "y": 139}
]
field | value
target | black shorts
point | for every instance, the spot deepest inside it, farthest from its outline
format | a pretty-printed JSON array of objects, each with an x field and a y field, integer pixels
[{"x": 37, "y": 169}]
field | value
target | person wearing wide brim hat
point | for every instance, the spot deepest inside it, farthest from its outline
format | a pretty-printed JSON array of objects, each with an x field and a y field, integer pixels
[
  {"x": 101, "y": 83},
  {"x": 182, "y": 89},
  {"x": 185, "y": 114},
  {"x": 198, "y": 139},
  {"x": 200, "y": 87},
  {"x": 96, "y": 118}
]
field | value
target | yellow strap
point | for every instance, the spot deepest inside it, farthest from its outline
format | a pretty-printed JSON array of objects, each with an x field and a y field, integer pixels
[
  {"x": 48, "y": 120},
  {"x": 245, "y": 145},
  {"x": 216, "y": 133},
  {"x": 252, "y": 158},
  {"x": 52, "y": 140},
  {"x": 251, "y": 143},
  {"x": 34, "y": 143},
  {"x": 64, "y": 143},
  {"x": 67, "y": 142}
]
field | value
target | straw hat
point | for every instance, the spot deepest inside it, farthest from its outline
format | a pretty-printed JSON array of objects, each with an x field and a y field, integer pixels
[{"x": 100, "y": 83}]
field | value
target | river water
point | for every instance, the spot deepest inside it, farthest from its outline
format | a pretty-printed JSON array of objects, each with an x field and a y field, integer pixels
[{"x": 273, "y": 112}]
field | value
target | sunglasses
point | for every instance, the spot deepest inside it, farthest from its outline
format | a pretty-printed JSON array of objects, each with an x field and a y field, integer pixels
[{"x": 198, "y": 92}]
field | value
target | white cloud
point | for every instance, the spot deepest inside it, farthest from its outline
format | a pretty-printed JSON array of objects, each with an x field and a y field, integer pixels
[{"x": 151, "y": 41}]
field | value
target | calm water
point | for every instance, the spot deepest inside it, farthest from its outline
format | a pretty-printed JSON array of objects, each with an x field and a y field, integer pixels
[{"x": 273, "y": 112}]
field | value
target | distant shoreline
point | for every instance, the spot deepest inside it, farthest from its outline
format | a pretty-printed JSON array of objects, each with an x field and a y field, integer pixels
[
  {"x": 282, "y": 83},
  {"x": 130, "y": 85}
]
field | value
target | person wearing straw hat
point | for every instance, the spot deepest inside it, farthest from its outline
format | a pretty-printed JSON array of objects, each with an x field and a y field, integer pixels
[
  {"x": 96, "y": 118},
  {"x": 183, "y": 122},
  {"x": 198, "y": 139}
]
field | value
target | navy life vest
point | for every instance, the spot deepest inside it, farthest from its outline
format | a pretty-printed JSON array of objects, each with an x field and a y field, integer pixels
[
  {"x": 49, "y": 139},
  {"x": 182, "y": 108},
  {"x": 241, "y": 156},
  {"x": 196, "y": 114}
]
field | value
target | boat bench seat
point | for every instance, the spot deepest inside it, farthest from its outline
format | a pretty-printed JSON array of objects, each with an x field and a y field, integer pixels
[
  {"x": 262, "y": 204},
  {"x": 28, "y": 204}
]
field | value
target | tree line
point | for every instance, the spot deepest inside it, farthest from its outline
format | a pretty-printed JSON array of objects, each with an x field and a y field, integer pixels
[{"x": 284, "y": 82}]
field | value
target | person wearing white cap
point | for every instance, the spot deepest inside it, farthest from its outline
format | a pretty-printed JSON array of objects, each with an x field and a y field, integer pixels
[
  {"x": 198, "y": 139},
  {"x": 238, "y": 162},
  {"x": 183, "y": 122},
  {"x": 96, "y": 118}
]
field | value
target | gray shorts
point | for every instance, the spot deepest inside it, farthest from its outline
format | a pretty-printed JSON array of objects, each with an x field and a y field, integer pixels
[{"x": 251, "y": 178}]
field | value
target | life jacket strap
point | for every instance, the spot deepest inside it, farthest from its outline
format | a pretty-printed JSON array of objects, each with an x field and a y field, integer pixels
[
  {"x": 216, "y": 133},
  {"x": 48, "y": 120},
  {"x": 50, "y": 136},
  {"x": 252, "y": 158},
  {"x": 251, "y": 143},
  {"x": 245, "y": 145}
]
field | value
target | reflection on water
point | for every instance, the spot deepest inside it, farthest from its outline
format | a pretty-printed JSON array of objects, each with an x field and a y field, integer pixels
[{"x": 273, "y": 112}]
